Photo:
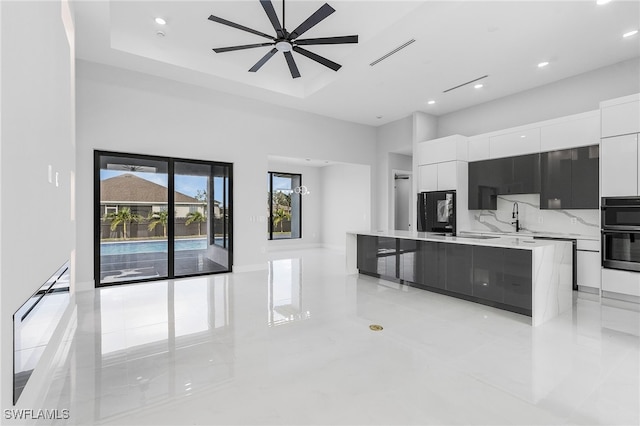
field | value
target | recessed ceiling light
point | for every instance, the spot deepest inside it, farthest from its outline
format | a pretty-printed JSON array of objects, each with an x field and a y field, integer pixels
[
  {"x": 378, "y": 117},
  {"x": 523, "y": 136},
  {"x": 160, "y": 21},
  {"x": 431, "y": 102},
  {"x": 543, "y": 64},
  {"x": 478, "y": 86},
  {"x": 160, "y": 34},
  {"x": 630, "y": 33},
  {"x": 601, "y": 2}
]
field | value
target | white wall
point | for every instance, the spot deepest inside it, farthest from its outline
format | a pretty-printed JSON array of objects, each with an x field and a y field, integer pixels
[
  {"x": 127, "y": 111},
  {"x": 36, "y": 217},
  {"x": 346, "y": 197},
  {"x": 312, "y": 207},
  {"x": 572, "y": 95},
  {"x": 392, "y": 137},
  {"x": 397, "y": 162}
]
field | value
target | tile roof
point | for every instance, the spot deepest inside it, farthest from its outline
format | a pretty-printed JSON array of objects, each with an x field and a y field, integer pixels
[{"x": 128, "y": 187}]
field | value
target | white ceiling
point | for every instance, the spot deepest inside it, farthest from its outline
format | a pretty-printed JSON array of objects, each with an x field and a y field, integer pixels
[{"x": 456, "y": 41}]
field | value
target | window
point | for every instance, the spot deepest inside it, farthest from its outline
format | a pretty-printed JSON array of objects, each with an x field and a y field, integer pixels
[{"x": 284, "y": 206}]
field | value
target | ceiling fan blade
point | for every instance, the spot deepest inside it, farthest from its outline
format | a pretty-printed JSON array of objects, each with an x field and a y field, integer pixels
[
  {"x": 292, "y": 65},
  {"x": 244, "y": 46},
  {"x": 324, "y": 11},
  {"x": 324, "y": 61},
  {"x": 238, "y": 26},
  {"x": 329, "y": 40},
  {"x": 271, "y": 13},
  {"x": 264, "y": 59}
]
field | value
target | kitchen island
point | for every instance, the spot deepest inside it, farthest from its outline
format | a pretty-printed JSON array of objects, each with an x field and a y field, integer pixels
[{"x": 523, "y": 275}]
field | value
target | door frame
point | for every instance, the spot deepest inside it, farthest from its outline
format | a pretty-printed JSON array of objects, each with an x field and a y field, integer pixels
[{"x": 97, "y": 154}]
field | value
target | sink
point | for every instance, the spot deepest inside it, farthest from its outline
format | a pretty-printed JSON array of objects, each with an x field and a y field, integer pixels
[{"x": 477, "y": 237}]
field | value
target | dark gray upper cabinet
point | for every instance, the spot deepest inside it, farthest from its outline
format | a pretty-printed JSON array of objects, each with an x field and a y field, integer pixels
[
  {"x": 565, "y": 179},
  {"x": 556, "y": 180},
  {"x": 585, "y": 177},
  {"x": 570, "y": 178},
  {"x": 511, "y": 175},
  {"x": 526, "y": 174}
]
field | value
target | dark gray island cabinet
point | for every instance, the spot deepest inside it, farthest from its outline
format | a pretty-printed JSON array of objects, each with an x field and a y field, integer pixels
[{"x": 526, "y": 276}]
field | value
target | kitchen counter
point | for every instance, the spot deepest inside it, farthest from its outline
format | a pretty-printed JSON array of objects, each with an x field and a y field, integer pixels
[
  {"x": 531, "y": 234},
  {"x": 522, "y": 241},
  {"x": 492, "y": 271}
]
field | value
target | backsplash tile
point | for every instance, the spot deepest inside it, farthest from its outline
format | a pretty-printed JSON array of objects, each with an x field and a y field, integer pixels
[{"x": 581, "y": 222}]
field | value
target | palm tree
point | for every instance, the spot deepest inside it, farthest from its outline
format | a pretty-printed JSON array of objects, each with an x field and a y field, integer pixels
[
  {"x": 279, "y": 216},
  {"x": 122, "y": 216},
  {"x": 159, "y": 218},
  {"x": 196, "y": 217}
]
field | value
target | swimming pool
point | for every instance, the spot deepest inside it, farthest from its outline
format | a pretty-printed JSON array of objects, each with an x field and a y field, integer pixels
[{"x": 135, "y": 247}]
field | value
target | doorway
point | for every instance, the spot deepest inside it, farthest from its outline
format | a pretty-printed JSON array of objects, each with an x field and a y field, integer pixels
[
  {"x": 160, "y": 217},
  {"x": 402, "y": 200}
]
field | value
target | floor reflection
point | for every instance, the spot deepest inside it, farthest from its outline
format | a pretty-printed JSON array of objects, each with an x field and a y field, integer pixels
[
  {"x": 160, "y": 340},
  {"x": 285, "y": 292}
]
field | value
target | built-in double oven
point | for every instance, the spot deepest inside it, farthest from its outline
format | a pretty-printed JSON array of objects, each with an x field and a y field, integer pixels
[{"x": 621, "y": 233}]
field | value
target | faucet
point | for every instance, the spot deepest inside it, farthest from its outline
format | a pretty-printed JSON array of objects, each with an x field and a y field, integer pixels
[{"x": 514, "y": 214}]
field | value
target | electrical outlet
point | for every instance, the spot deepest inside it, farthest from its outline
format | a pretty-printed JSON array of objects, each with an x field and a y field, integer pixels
[
  {"x": 574, "y": 220},
  {"x": 540, "y": 219},
  {"x": 481, "y": 219}
]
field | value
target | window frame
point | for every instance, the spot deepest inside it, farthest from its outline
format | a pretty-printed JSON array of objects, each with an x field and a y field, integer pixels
[{"x": 270, "y": 225}]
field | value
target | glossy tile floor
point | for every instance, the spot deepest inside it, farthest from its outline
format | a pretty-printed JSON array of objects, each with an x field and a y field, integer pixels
[{"x": 292, "y": 345}]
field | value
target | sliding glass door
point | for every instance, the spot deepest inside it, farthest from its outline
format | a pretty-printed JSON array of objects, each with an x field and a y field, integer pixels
[
  {"x": 160, "y": 217},
  {"x": 201, "y": 219}
]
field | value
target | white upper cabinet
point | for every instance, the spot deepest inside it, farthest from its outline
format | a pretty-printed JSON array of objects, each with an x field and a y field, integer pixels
[
  {"x": 619, "y": 166},
  {"x": 621, "y": 116},
  {"x": 584, "y": 130},
  {"x": 443, "y": 176},
  {"x": 479, "y": 148},
  {"x": 522, "y": 142},
  {"x": 450, "y": 148},
  {"x": 448, "y": 176},
  {"x": 428, "y": 177}
]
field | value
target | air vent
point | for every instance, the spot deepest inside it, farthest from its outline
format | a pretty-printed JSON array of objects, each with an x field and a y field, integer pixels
[
  {"x": 464, "y": 84},
  {"x": 394, "y": 51}
]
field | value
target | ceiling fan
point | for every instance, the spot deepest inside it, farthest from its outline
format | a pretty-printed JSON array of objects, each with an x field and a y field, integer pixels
[{"x": 285, "y": 41}]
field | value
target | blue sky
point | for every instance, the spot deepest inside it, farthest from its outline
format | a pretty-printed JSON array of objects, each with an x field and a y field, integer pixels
[
  {"x": 188, "y": 185},
  {"x": 280, "y": 183}
]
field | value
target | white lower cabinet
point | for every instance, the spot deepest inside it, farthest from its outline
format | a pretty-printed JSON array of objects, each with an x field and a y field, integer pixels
[
  {"x": 588, "y": 266},
  {"x": 621, "y": 282}
]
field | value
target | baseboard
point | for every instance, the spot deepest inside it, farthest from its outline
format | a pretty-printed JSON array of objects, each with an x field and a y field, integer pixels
[
  {"x": 620, "y": 296},
  {"x": 293, "y": 246},
  {"x": 251, "y": 268},
  {"x": 335, "y": 247},
  {"x": 590, "y": 290}
]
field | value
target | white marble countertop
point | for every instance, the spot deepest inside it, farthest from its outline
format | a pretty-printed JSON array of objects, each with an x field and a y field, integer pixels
[
  {"x": 522, "y": 241},
  {"x": 531, "y": 234}
]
